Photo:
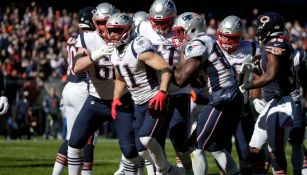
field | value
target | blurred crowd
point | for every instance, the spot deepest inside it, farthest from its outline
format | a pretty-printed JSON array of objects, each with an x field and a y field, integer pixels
[{"x": 33, "y": 52}]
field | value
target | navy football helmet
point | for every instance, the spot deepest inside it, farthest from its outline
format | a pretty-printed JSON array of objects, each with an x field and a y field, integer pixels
[
  {"x": 270, "y": 25},
  {"x": 85, "y": 18}
]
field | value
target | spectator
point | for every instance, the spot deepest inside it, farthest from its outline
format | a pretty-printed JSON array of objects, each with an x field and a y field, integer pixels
[
  {"x": 22, "y": 116},
  {"x": 51, "y": 104}
]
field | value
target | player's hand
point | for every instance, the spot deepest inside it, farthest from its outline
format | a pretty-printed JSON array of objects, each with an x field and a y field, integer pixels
[
  {"x": 158, "y": 101},
  {"x": 4, "y": 105},
  {"x": 116, "y": 103},
  {"x": 101, "y": 52},
  {"x": 259, "y": 105},
  {"x": 247, "y": 83},
  {"x": 247, "y": 67}
]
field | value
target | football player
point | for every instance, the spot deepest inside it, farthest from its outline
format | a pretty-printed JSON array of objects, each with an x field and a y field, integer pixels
[
  {"x": 74, "y": 95},
  {"x": 274, "y": 121},
  {"x": 136, "y": 64},
  {"x": 97, "y": 107},
  {"x": 240, "y": 52},
  {"x": 138, "y": 17},
  {"x": 162, "y": 14},
  {"x": 297, "y": 131},
  {"x": 204, "y": 57}
]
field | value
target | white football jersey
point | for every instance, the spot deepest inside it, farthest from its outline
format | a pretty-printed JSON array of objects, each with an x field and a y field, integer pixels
[
  {"x": 165, "y": 48},
  {"x": 141, "y": 80},
  {"x": 243, "y": 54},
  {"x": 101, "y": 74},
  {"x": 214, "y": 66}
]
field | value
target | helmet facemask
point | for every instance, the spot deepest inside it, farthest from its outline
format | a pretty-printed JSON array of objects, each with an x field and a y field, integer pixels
[
  {"x": 162, "y": 25},
  {"x": 229, "y": 42},
  {"x": 180, "y": 37},
  {"x": 100, "y": 25},
  {"x": 117, "y": 35}
]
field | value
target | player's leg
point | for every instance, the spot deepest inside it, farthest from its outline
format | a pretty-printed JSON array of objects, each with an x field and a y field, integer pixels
[
  {"x": 243, "y": 135},
  {"x": 93, "y": 113},
  {"x": 74, "y": 96},
  {"x": 277, "y": 132},
  {"x": 61, "y": 159},
  {"x": 296, "y": 138},
  {"x": 148, "y": 131},
  {"x": 178, "y": 128},
  {"x": 89, "y": 154},
  {"x": 124, "y": 127},
  {"x": 211, "y": 135}
]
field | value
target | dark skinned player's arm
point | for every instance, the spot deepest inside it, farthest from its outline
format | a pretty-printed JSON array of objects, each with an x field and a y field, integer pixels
[
  {"x": 255, "y": 93},
  {"x": 184, "y": 72},
  {"x": 270, "y": 74}
]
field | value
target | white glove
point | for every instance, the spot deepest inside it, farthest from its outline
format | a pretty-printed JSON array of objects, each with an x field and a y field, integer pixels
[
  {"x": 101, "y": 52},
  {"x": 4, "y": 105},
  {"x": 247, "y": 67},
  {"x": 259, "y": 105},
  {"x": 247, "y": 70}
]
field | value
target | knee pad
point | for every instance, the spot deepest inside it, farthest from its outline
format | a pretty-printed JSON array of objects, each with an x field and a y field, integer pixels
[
  {"x": 76, "y": 141},
  {"x": 129, "y": 151},
  {"x": 146, "y": 141}
]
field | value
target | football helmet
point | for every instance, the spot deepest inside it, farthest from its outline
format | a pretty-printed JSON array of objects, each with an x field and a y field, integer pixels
[
  {"x": 140, "y": 16},
  {"x": 230, "y": 33},
  {"x": 101, "y": 14},
  {"x": 185, "y": 27},
  {"x": 85, "y": 18},
  {"x": 161, "y": 15},
  {"x": 119, "y": 29},
  {"x": 269, "y": 25}
]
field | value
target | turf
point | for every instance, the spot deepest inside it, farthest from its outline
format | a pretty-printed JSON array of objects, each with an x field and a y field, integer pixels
[{"x": 36, "y": 157}]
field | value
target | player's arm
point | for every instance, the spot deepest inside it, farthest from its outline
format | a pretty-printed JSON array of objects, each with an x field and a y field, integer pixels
[
  {"x": 270, "y": 74},
  {"x": 84, "y": 58},
  {"x": 120, "y": 86},
  {"x": 157, "y": 62},
  {"x": 183, "y": 73}
]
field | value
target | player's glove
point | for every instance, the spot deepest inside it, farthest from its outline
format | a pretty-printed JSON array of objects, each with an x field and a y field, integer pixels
[
  {"x": 4, "y": 105},
  {"x": 247, "y": 70},
  {"x": 116, "y": 103},
  {"x": 101, "y": 52},
  {"x": 259, "y": 105},
  {"x": 157, "y": 105}
]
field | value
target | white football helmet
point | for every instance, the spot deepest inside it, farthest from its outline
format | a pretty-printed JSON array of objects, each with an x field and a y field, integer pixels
[
  {"x": 119, "y": 29},
  {"x": 140, "y": 16},
  {"x": 161, "y": 15},
  {"x": 230, "y": 33},
  {"x": 186, "y": 26},
  {"x": 101, "y": 14}
]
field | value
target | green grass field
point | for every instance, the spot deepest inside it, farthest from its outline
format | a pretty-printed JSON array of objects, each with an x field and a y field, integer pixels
[{"x": 36, "y": 157}]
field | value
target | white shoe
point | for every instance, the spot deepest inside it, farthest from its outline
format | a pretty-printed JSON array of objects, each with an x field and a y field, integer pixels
[{"x": 120, "y": 171}]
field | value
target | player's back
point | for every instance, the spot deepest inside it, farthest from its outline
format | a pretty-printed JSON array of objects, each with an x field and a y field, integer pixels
[
  {"x": 214, "y": 63},
  {"x": 101, "y": 74}
]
